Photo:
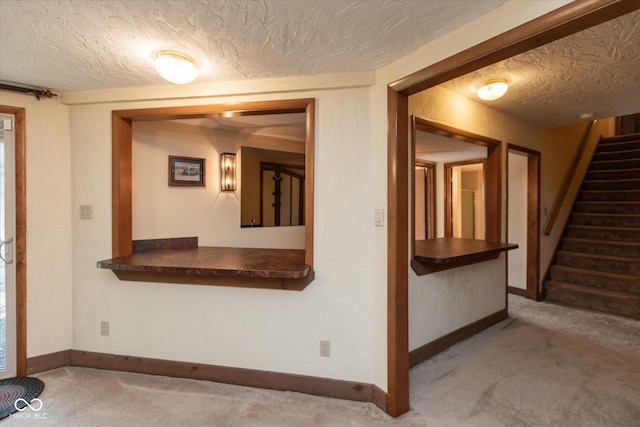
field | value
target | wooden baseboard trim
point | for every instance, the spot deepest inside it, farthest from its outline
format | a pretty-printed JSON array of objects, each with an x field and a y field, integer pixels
[
  {"x": 380, "y": 398},
  {"x": 432, "y": 348},
  {"x": 348, "y": 390},
  {"x": 517, "y": 291},
  {"x": 47, "y": 362}
]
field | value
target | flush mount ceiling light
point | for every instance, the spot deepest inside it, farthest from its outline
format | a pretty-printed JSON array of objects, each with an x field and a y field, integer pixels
[
  {"x": 493, "y": 89},
  {"x": 176, "y": 67}
]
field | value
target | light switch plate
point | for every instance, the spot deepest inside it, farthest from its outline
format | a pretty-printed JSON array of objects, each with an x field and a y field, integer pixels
[
  {"x": 379, "y": 217},
  {"x": 86, "y": 212}
]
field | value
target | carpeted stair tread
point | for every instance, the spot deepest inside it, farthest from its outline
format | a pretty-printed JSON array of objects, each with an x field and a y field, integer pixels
[
  {"x": 629, "y": 137},
  {"x": 617, "y": 155},
  {"x": 618, "y": 146},
  {"x": 602, "y": 247},
  {"x": 612, "y": 184},
  {"x": 619, "y": 173},
  {"x": 596, "y": 279},
  {"x": 624, "y": 234},
  {"x": 596, "y": 262},
  {"x": 614, "y": 164},
  {"x": 607, "y": 207},
  {"x": 606, "y": 220},
  {"x": 622, "y": 303},
  {"x": 609, "y": 195}
]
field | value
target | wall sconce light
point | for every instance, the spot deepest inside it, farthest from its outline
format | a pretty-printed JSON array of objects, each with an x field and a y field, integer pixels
[
  {"x": 493, "y": 89},
  {"x": 176, "y": 67},
  {"x": 227, "y": 172}
]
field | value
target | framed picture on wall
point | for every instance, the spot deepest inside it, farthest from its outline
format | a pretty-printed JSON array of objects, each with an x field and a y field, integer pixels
[{"x": 186, "y": 171}]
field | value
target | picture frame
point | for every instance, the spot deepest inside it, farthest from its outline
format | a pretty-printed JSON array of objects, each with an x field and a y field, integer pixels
[{"x": 186, "y": 171}]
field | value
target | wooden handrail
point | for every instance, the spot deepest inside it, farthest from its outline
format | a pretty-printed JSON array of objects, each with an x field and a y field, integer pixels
[{"x": 562, "y": 194}]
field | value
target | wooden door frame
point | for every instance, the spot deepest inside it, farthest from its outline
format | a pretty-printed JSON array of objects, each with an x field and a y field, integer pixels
[
  {"x": 20, "y": 235},
  {"x": 430, "y": 200},
  {"x": 533, "y": 290},
  {"x": 564, "y": 21},
  {"x": 448, "y": 192}
]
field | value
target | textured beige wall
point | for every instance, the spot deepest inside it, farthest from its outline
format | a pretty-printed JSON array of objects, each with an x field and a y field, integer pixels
[{"x": 49, "y": 269}]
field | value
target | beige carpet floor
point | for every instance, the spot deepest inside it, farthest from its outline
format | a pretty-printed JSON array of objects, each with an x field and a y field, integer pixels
[{"x": 546, "y": 365}]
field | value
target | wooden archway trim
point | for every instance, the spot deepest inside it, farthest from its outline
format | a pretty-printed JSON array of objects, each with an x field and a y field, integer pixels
[
  {"x": 564, "y": 21},
  {"x": 20, "y": 235}
]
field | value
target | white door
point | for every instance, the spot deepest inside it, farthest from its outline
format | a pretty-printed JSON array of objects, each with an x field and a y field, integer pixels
[{"x": 7, "y": 266}]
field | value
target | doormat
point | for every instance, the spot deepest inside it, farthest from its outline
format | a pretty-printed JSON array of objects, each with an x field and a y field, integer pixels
[{"x": 18, "y": 392}]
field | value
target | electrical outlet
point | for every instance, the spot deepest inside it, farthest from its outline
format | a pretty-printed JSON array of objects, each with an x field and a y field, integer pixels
[
  {"x": 104, "y": 328},
  {"x": 325, "y": 348}
]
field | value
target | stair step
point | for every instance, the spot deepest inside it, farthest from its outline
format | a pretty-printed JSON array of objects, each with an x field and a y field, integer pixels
[
  {"x": 611, "y": 184},
  {"x": 606, "y": 220},
  {"x": 615, "y": 164},
  {"x": 618, "y": 146},
  {"x": 601, "y": 247},
  {"x": 603, "y": 233},
  {"x": 609, "y": 195},
  {"x": 616, "y": 302},
  {"x": 604, "y": 263},
  {"x": 607, "y": 207},
  {"x": 612, "y": 174},
  {"x": 629, "y": 137},
  {"x": 597, "y": 279},
  {"x": 617, "y": 155}
]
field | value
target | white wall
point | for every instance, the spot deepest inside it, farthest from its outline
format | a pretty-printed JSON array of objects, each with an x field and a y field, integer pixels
[
  {"x": 163, "y": 211},
  {"x": 49, "y": 297},
  {"x": 257, "y": 329}
]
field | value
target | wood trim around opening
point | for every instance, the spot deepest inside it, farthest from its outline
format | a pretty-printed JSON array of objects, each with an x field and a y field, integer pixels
[
  {"x": 533, "y": 290},
  {"x": 122, "y": 123},
  {"x": 564, "y": 21},
  {"x": 397, "y": 255},
  {"x": 20, "y": 237}
]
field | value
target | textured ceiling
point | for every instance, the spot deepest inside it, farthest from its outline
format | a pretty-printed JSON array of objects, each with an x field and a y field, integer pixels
[
  {"x": 283, "y": 126},
  {"x": 596, "y": 71},
  {"x": 437, "y": 148},
  {"x": 70, "y": 45}
]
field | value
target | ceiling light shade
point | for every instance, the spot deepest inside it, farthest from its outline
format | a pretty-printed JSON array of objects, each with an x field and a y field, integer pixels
[
  {"x": 493, "y": 89},
  {"x": 176, "y": 67}
]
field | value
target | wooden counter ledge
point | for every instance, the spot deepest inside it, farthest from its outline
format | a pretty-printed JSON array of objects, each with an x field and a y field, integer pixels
[
  {"x": 443, "y": 253},
  {"x": 240, "y": 267}
]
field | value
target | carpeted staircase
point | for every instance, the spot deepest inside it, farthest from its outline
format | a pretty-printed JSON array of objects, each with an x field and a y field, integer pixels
[{"x": 598, "y": 260}]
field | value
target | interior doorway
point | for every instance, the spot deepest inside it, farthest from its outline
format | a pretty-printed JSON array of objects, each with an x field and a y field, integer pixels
[
  {"x": 424, "y": 200},
  {"x": 7, "y": 244},
  {"x": 523, "y": 221},
  {"x": 14, "y": 235},
  {"x": 559, "y": 23},
  {"x": 464, "y": 199}
]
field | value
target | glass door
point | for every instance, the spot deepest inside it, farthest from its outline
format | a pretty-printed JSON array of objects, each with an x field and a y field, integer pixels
[{"x": 7, "y": 267}]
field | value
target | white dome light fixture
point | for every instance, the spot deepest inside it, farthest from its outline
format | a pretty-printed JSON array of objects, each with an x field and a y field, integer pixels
[
  {"x": 492, "y": 89},
  {"x": 176, "y": 67}
]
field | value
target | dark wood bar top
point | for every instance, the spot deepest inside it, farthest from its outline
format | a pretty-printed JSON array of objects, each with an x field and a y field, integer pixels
[
  {"x": 443, "y": 253},
  {"x": 244, "y": 267}
]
